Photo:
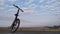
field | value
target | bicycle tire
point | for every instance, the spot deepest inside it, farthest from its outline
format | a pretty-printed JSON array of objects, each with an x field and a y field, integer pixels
[{"x": 12, "y": 28}]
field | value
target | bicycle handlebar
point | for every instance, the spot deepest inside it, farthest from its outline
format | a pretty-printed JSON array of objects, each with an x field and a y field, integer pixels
[{"x": 18, "y": 8}]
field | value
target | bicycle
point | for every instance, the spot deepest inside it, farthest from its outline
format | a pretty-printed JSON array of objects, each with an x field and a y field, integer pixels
[{"x": 16, "y": 22}]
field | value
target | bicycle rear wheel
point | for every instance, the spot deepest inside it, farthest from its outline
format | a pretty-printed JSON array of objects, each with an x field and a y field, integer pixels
[{"x": 15, "y": 25}]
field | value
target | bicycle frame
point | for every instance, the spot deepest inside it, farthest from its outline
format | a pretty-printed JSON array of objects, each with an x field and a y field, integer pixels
[
  {"x": 17, "y": 20},
  {"x": 16, "y": 15}
]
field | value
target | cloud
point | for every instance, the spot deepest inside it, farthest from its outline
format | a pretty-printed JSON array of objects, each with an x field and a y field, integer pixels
[
  {"x": 2, "y": 2},
  {"x": 2, "y": 8},
  {"x": 30, "y": 2},
  {"x": 47, "y": 7},
  {"x": 57, "y": 2},
  {"x": 12, "y": 0},
  {"x": 13, "y": 10},
  {"x": 41, "y": 1},
  {"x": 6, "y": 21},
  {"x": 50, "y": 6},
  {"x": 5, "y": 17},
  {"x": 48, "y": 12},
  {"x": 44, "y": 13},
  {"x": 28, "y": 11},
  {"x": 33, "y": 6}
]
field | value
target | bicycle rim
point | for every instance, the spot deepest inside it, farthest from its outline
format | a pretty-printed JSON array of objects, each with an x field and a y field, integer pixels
[{"x": 15, "y": 26}]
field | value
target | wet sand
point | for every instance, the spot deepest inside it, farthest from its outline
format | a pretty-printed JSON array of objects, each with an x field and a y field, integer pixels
[{"x": 30, "y": 32}]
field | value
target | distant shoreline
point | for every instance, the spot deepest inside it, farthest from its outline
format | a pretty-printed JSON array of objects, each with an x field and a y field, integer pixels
[{"x": 31, "y": 29}]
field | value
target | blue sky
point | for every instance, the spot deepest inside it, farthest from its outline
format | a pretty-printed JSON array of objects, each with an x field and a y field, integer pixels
[{"x": 36, "y": 13}]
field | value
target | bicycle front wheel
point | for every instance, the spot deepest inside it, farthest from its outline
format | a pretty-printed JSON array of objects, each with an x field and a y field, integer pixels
[{"x": 15, "y": 25}]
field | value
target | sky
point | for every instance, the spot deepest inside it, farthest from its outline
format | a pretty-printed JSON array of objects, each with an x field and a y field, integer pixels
[{"x": 37, "y": 13}]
